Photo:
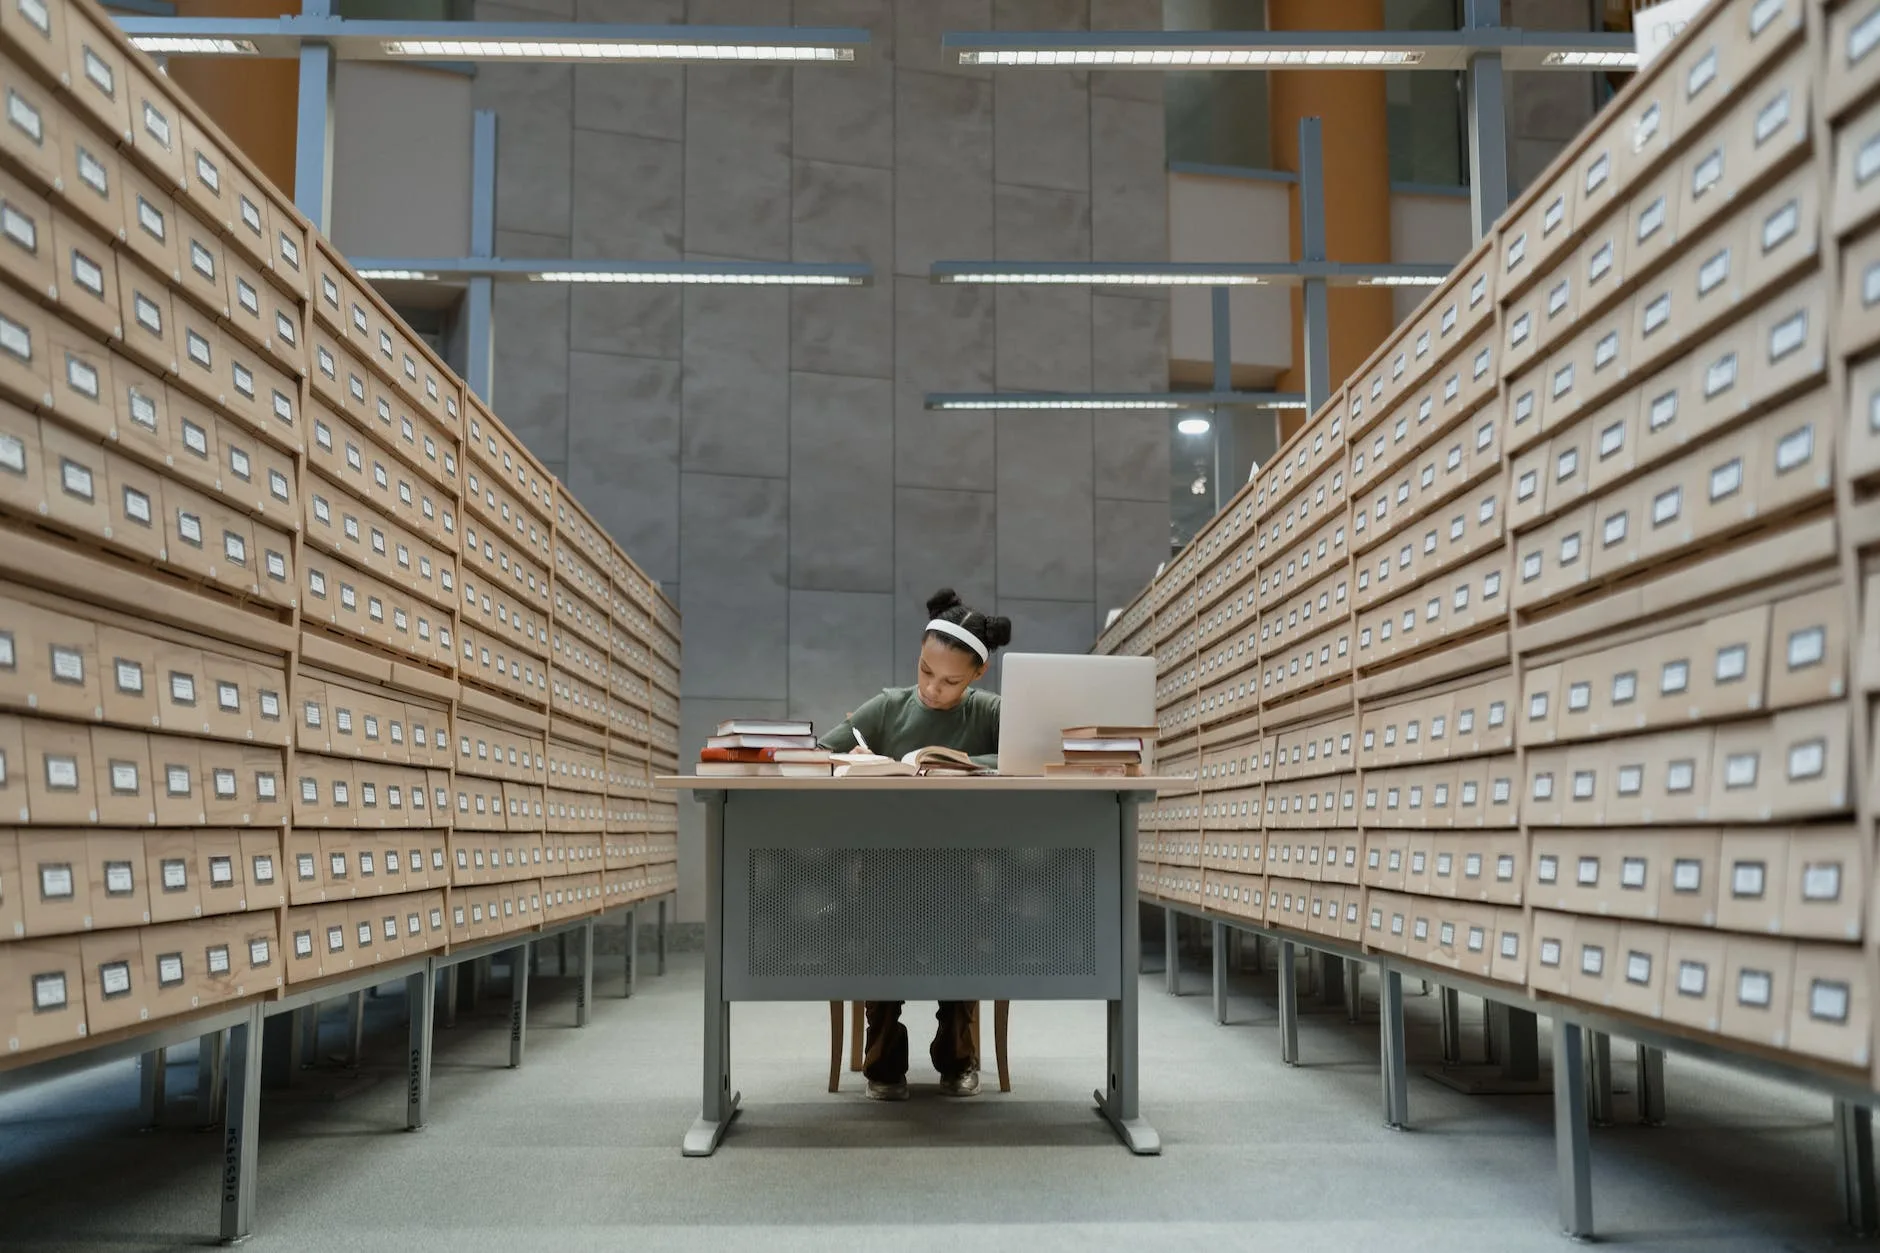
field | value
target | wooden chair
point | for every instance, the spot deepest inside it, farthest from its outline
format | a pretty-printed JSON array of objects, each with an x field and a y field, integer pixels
[{"x": 1001, "y": 1013}]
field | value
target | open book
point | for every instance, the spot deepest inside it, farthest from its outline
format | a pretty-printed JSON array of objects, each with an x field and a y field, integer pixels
[{"x": 925, "y": 761}]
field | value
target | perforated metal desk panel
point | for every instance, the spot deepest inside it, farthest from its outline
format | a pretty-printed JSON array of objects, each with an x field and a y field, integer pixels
[{"x": 988, "y": 888}]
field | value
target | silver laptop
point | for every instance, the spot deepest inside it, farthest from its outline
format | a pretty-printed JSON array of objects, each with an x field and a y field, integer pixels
[{"x": 1042, "y": 693}]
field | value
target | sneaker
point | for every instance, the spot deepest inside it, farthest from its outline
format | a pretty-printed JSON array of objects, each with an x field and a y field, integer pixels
[
  {"x": 966, "y": 1083},
  {"x": 887, "y": 1091}
]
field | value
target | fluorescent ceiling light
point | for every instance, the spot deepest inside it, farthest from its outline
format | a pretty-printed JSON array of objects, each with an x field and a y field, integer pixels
[
  {"x": 1106, "y": 278},
  {"x": 1196, "y": 403},
  {"x": 197, "y": 47},
  {"x": 1591, "y": 60},
  {"x": 597, "y": 50},
  {"x": 1403, "y": 280},
  {"x": 1196, "y": 425},
  {"x": 413, "y": 276},
  {"x": 1204, "y": 58},
  {"x": 1060, "y": 402},
  {"x": 689, "y": 276}
]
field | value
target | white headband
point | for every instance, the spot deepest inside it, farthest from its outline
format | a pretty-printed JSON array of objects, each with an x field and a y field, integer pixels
[{"x": 960, "y": 633}]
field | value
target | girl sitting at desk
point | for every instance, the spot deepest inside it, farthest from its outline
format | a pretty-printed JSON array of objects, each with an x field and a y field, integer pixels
[{"x": 942, "y": 708}]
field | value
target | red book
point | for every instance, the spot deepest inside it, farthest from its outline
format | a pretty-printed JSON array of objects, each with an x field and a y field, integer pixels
[
  {"x": 796, "y": 755},
  {"x": 749, "y": 755}
]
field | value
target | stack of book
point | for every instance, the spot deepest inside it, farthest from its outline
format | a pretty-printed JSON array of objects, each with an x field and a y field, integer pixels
[
  {"x": 747, "y": 747},
  {"x": 1104, "y": 752}
]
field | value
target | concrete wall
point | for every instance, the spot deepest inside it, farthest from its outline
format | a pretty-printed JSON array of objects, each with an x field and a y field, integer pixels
[
  {"x": 765, "y": 453},
  {"x": 401, "y": 137}
]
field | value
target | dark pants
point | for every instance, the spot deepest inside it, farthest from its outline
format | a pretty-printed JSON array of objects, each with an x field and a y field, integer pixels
[{"x": 955, "y": 1048}]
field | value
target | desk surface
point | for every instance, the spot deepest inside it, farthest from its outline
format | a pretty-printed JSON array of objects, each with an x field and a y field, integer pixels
[{"x": 915, "y": 783}]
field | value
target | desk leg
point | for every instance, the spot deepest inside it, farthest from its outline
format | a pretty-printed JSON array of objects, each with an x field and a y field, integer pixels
[
  {"x": 1288, "y": 1004},
  {"x": 151, "y": 1073},
  {"x": 1390, "y": 1033},
  {"x": 1452, "y": 1026},
  {"x": 718, "y": 1104},
  {"x": 1221, "y": 943},
  {"x": 660, "y": 969},
  {"x": 421, "y": 999},
  {"x": 240, "y": 1135},
  {"x": 1599, "y": 1064},
  {"x": 1354, "y": 990},
  {"x": 1117, "y": 1102},
  {"x": 1853, "y": 1130}
]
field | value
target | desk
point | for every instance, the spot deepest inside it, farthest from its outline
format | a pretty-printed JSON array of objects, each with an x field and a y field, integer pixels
[{"x": 975, "y": 888}]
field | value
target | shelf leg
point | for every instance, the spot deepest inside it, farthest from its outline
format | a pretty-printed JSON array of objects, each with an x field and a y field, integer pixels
[
  {"x": 1573, "y": 1150},
  {"x": 1520, "y": 1045},
  {"x": 660, "y": 967},
  {"x": 1390, "y": 1036},
  {"x": 152, "y": 1070},
  {"x": 633, "y": 950},
  {"x": 518, "y": 1000},
  {"x": 355, "y": 1029},
  {"x": 1853, "y": 1127},
  {"x": 211, "y": 1073},
  {"x": 421, "y": 1002},
  {"x": 1221, "y": 943},
  {"x": 1171, "y": 953},
  {"x": 1354, "y": 990},
  {"x": 584, "y": 991},
  {"x": 1651, "y": 1086},
  {"x": 452, "y": 975},
  {"x": 241, "y": 1135},
  {"x": 1599, "y": 1078},
  {"x": 1451, "y": 1002},
  {"x": 1288, "y": 1004}
]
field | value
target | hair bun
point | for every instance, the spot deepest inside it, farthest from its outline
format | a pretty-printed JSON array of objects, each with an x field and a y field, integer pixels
[
  {"x": 941, "y": 601},
  {"x": 998, "y": 631}
]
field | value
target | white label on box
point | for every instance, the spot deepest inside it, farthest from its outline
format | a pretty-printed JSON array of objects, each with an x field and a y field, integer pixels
[
  {"x": 1613, "y": 530},
  {"x": 87, "y": 274},
  {"x": 1721, "y": 375},
  {"x": 1739, "y": 769},
  {"x": 259, "y": 953},
  {"x": 1547, "y": 869},
  {"x": 1807, "y": 647},
  {"x": 365, "y": 935},
  {"x": 1747, "y": 879},
  {"x": 115, "y": 978},
  {"x": 1606, "y": 350},
  {"x": 1732, "y": 663},
  {"x": 1828, "y": 1000},
  {"x": 48, "y": 992},
  {"x": 1808, "y": 760},
  {"x": 1550, "y": 952},
  {"x": 1713, "y": 272},
  {"x": 1537, "y": 706},
  {"x": 1592, "y": 960},
  {"x": 182, "y": 689},
  {"x": 1788, "y": 335},
  {"x": 263, "y": 868},
  {"x": 1726, "y": 479},
  {"x": 228, "y": 696},
  {"x": 176, "y": 780},
  {"x": 1821, "y": 881},
  {"x": 218, "y": 960},
  {"x": 119, "y": 879},
  {"x": 335, "y": 939},
  {"x": 239, "y": 463},
  {"x": 1583, "y": 784},
  {"x": 1707, "y": 173},
  {"x": 1517, "y": 250},
  {"x": 136, "y": 506},
  {"x": 348, "y": 597},
  {"x": 68, "y": 665},
  {"x": 24, "y": 116},
  {"x": 1675, "y": 677},
  {"x": 75, "y": 478},
  {"x": 1780, "y": 225},
  {"x": 1563, "y": 380},
  {"x": 124, "y": 779},
  {"x": 12, "y": 454},
  {"x": 175, "y": 875},
  {"x": 1681, "y": 776},
  {"x": 224, "y": 784},
  {"x": 189, "y": 526},
  {"x": 61, "y": 773},
  {"x": 195, "y": 438},
  {"x": 1861, "y": 40},
  {"x": 1624, "y": 687},
  {"x": 221, "y": 871},
  {"x": 1772, "y": 117},
  {"x": 303, "y": 944},
  {"x": 1558, "y": 297},
  {"x": 1754, "y": 988},
  {"x": 1795, "y": 449},
  {"x": 1579, "y": 697},
  {"x": 1667, "y": 505},
  {"x": 1470, "y": 792},
  {"x": 55, "y": 882},
  {"x": 1588, "y": 871},
  {"x": 1531, "y": 567}
]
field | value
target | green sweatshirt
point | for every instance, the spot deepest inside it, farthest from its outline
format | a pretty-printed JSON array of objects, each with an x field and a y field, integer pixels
[{"x": 896, "y": 723}]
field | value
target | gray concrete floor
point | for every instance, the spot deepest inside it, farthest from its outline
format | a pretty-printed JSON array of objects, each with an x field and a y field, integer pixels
[{"x": 579, "y": 1149}]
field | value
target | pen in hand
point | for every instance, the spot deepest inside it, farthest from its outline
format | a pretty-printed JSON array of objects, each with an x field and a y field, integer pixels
[{"x": 861, "y": 745}]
